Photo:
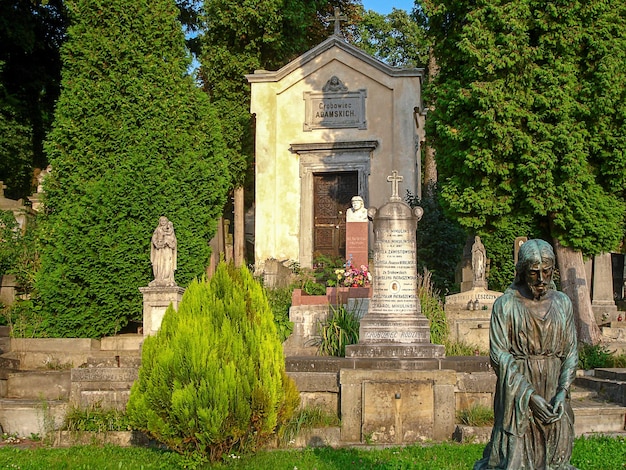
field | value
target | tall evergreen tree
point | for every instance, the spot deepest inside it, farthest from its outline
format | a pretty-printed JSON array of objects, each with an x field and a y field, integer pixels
[
  {"x": 133, "y": 139},
  {"x": 515, "y": 128}
]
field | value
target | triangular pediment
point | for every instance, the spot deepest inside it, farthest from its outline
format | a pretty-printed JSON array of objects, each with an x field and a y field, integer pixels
[{"x": 324, "y": 47}]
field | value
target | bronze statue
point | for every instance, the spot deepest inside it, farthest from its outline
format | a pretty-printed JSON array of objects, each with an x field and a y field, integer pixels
[
  {"x": 163, "y": 252},
  {"x": 533, "y": 352}
]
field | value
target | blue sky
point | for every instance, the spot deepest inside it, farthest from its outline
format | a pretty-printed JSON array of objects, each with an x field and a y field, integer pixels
[{"x": 385, "y": 6}]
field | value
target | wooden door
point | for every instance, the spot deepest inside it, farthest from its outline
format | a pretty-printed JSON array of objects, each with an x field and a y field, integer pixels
[{"x": 332, "y": 193}]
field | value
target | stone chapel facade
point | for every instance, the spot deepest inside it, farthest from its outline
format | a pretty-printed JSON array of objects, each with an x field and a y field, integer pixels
[{"x": 331, "y": 124}]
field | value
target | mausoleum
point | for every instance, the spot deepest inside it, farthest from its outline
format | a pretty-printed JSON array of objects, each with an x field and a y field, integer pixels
[{"x": 331, "y": 124}]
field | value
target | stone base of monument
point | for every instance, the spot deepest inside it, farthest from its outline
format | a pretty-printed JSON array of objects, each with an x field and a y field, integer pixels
[
  {"x": 395, "y": 336},
  {"x": 396, "y": 350},
  {"x": 156, "y": 300}
]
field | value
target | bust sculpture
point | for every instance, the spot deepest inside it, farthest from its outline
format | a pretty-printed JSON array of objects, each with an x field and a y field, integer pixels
[
  {"x": 533, "y": 353},
  {"x": 358, "y": 212},
  {"x": 163, "y": 252}
]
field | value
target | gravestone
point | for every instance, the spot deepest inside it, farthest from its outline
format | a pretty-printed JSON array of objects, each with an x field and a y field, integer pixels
[
  {"x": 357, "y": 228},
  {"x": 394, "y": 325}
]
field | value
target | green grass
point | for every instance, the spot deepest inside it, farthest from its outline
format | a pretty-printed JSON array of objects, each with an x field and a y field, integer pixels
[{"x": 597, "y": 453}]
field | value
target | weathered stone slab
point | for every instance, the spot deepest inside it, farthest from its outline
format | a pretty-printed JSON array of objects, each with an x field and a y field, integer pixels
[
  {"x": 75, "y": 345},
  {"x": 45, "y": 385},
  {"x": 25, "y": 417},
  {"x": 104, "y": 374},
  {"x": 361, "y": 389},
  {"x": 398, "y": 412},
  {"x": 156, "y": 300}
]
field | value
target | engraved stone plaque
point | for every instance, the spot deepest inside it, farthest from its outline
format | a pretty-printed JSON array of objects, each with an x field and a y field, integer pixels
[{"x": 335, "y": 107}]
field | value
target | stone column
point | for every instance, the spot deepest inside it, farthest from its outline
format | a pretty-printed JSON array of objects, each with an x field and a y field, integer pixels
[{"x": 156, "y": 300}]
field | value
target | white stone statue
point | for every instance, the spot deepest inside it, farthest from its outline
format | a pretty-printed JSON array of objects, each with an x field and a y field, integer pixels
[
  {"x": 479, "y": 258},
  {"x": 163, "y": 253},
  {"x": 358, "y": 212}
]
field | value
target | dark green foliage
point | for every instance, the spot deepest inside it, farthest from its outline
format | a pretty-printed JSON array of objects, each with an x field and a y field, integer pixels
[
  {"x": 395, "y": 39},
  {"x": 432, "y": 308},
  {"x": 213, "y": 380},
  {"x": 324, "y": 268},
  {"x": 528, "y": 117},
  {"x": 440, "y": 241},
  {"x": 598, "y": 356},
  {"x": 19, "y": 250},
  {"x": 133, "y": 139},
  {"x": 340, "y": 329},
  {"x": 499, "y": 245}
]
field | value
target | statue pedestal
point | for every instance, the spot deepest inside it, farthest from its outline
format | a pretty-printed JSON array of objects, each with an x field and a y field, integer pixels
[{"x": 155, "y": 303}]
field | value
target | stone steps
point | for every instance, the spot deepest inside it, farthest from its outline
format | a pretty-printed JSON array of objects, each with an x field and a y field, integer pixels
[
  {"x": 39, "y": 385},
  {"x": 610, "y": 384},
  {"x": 598, "y": 416},
  {"x": 591, "y": 416}
]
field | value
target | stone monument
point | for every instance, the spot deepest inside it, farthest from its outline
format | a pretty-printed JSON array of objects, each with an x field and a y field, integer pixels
[
  {"x": 468, "y": 312},
  {"x": 357, "y": 228},
  {"x": 162, "y": 291},
  {"x": 394, "y": 326}
]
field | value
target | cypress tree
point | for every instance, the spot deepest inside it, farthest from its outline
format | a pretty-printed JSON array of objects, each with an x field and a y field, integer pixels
[
  {"x": 213, "y": 378},
  {"x": 133, "y": 139}
]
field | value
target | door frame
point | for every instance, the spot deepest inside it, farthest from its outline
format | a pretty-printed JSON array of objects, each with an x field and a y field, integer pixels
[{"x": 328, "y": 157}]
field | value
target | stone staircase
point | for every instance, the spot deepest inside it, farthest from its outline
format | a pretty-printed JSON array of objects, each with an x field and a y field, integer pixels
[
  {"x": 595, "y": 412},
  {"x": 41, "y": 379}
]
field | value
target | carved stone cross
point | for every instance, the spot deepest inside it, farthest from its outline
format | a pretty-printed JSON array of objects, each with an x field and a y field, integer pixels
[
  {"x": 338, "y": 19},
  {"x": 394, "y": 179}
]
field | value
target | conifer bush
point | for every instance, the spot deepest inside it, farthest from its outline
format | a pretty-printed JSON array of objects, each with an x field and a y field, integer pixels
[{"x": 213, "y": 379}]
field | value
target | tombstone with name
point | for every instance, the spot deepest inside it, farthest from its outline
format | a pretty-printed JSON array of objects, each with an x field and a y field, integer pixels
[
  {"x": 162, "y": 291},
  {"x": 394, "y": 325}
]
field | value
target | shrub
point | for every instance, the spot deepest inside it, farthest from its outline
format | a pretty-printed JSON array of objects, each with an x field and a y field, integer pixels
[
  {"x": 340, "y": 329},
  {"x": 213, "y": 378},
  {"x": 598, "y": 356}
]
